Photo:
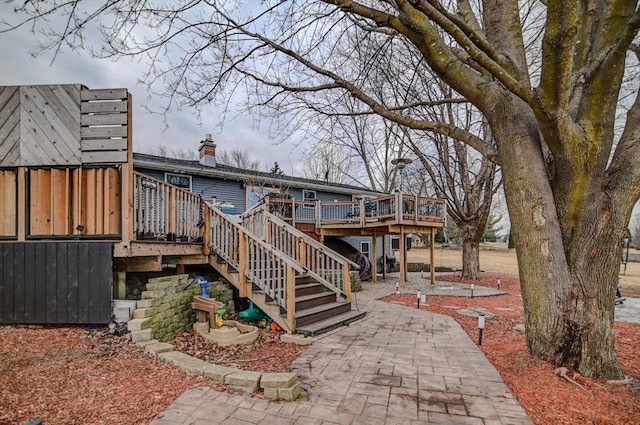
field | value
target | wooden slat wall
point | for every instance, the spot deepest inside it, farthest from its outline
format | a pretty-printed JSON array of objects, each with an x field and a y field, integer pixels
[
  {"x": 104, "y": 121},
  {"x": 8, "y": 203},
  {"x": 55, "y": 282},
  {"x": 64, "y": 202},
  {"x": 50, "y": 125},
  {"x": 9, "y": 126}
]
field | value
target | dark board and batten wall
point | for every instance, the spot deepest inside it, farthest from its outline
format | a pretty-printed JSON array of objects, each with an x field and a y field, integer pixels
[{"x": 56, "y": 282}]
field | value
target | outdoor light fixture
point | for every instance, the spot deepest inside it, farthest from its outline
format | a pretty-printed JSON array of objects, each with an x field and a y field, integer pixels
[
  {"x": 423, "y": 299},
  {"x": 498, "y": 283},
  {"x": 480, "y": 327},
  {"x": 419, "y": 297},
  {"x": 400, "y": 164},
  {"x": 472, "y": 288},
  {"x": 397, "y": 288}
]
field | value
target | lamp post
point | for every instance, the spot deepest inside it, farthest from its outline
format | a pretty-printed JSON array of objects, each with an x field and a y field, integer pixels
[{"x": 400, "y": 164}]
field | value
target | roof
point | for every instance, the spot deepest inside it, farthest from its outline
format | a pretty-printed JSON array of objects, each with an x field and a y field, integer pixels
[{"x": 193, "y": 167}]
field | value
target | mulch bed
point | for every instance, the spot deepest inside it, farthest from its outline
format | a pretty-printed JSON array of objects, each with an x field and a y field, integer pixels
[
  {"x": 77, "y": 376},
  {"x": 547, "y": 398}
]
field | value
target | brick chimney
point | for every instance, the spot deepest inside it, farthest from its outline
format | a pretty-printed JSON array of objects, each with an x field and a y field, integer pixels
[{"x": 207, "y": 151}]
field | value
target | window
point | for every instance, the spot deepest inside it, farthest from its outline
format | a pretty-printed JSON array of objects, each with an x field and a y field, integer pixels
[
  {"x": 254, "y": 194},
  {"x": 308, "y": 195},
  {"x": 364, "y": 248},
  {"x": 179, "y": 180},
  {"x": 395, "y": 243}
]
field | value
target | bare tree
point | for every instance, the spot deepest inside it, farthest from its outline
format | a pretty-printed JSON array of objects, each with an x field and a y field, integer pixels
[
  {"x": 179, "y": 153},
  {"x": 570, "y": 180},
  {"x": 331, "y": 163},
  {"x": 238, "y": 158}
]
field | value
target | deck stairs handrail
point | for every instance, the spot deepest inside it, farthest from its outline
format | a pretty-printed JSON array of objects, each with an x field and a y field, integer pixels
[
  {"x": 256, "y": 261},
  {"x": 322, "y": 263}
]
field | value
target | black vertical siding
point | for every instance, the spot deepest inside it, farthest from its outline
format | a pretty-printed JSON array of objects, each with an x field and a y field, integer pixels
[{"x": 55, "y": 282}]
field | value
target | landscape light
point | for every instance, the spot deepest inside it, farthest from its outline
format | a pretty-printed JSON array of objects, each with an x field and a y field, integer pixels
[
  {"x": 397, "y": 288},
  {"x": 480, "y": 327},
  {"x": 498, "y": 283},
  {"x": 472, "y": 288},
  {"x": 419, "y": 297}
]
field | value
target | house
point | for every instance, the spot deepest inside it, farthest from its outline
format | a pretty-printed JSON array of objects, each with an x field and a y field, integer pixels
[
  {"x": 81, "y": 211},
  {"x": 237, "y": 190}
]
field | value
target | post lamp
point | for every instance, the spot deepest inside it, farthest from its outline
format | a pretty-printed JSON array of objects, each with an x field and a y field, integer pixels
[
  {"x": 498, "y": 283},
  {"x": 418, "y": 296},
  {"x": 400, "y": 164},
  {"x": 472, "y": 288}
]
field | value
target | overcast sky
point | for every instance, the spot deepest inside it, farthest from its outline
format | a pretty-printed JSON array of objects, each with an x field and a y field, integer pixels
[{"x": 19, "y": 67}]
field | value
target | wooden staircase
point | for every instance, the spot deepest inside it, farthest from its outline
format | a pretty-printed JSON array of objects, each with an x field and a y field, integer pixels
[
  {"x": 300, "y": 284},
  {"x": 318, "y": 310}
]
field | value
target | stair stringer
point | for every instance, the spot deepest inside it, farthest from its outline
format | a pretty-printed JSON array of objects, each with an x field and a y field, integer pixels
[{"x": 258, "y": 297}]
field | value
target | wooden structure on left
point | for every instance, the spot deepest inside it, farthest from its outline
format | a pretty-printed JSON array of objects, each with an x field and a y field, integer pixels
[
  {"x": 76, "y": 217},
  {"x": 65, "y": 151}
]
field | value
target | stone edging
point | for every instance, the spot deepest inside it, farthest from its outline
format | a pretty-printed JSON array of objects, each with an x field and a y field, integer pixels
[{"x": 279, "y": 386}]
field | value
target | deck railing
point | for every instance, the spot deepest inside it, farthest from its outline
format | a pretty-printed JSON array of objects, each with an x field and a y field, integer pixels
[
  {"x": 399, "y": 207},
  {"x": 256, "y": 261},
  {"x": 164, "y": 211}
]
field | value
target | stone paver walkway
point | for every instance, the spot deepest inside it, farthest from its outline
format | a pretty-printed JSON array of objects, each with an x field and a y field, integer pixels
[{"x": 396, "y": 366}]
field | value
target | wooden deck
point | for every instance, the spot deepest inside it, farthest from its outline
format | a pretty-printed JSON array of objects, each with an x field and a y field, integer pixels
[{"x": 66, "y": 167}]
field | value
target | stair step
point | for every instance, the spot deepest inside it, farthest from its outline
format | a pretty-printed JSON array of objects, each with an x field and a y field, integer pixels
[
  {"x": 331, "y": 323},
  {"x": 308, "y": 289},
  {"x": 321, "y": 312},
  {"x": 304, "y": 278},
  {"x": 312, "y": 300}
]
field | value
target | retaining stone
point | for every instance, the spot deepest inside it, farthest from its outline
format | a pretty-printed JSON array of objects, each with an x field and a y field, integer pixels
[
  {"x": 145, "y": 343},
  {"x": 162, "y": 307},
  {"x": 291, "y": 393},
  {"x": 184, "y": 361},
  {"x": 141, "y": 313},
  {"x": 122, "y": 314},
  {"x": 271, "y": 393},
  {"x": 278, "y": 380},
  {"x": 243, "y": 380},
  {"x": 154, "y": 286},
  {"x": 148, "y": 303},
  {"x": 139, "y": 324},
  {"x": 152, "y": 294},
  {"x": 141, "y": 335},
  {"x": 297, "y": 339},
  {"x": 160, "y": 347},
  {"x": 218, "y": 373}
]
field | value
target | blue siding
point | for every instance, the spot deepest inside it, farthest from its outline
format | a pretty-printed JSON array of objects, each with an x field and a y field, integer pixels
[{"x": 233, "y": 191}]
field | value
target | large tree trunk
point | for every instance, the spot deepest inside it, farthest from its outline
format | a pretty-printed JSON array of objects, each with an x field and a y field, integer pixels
[
  {"x": 470, "y": 253},
  {"x": 568, "y": 291}
]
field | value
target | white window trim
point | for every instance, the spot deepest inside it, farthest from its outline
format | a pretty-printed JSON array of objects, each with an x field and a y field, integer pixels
[
  {"x": 368, "y": 251},
  {"x": 304, "y": 197},
  {"x": 166, "y": 175}
]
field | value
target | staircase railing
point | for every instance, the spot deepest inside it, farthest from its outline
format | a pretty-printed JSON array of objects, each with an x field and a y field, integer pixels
[
  {"x": 256, "y": 261},
  {"x": 325, "y": 265}
]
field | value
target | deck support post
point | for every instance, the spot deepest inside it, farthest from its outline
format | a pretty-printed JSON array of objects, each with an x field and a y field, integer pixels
[
  {"x": 403, "y": 256},
  {"x": 432, "y": 265},
  {"x": 291, "y": 298},
  {"x": 374, "y": 249},
  {"x": 120, "y": 285},
  {"x": 384, "y": 256}
]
